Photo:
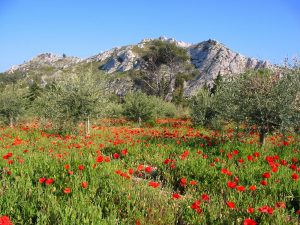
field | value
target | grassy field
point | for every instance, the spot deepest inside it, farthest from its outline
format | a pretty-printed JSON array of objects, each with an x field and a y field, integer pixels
[{"x": 166, "y": 174}]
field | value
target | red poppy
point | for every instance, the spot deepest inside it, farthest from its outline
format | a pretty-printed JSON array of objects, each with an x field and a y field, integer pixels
[
  {"x": 84, "y": 184},
  {"x": 235, "y": 152},
  {"x": 167, "y": 161},
  {"x": 205, "y": 197},
  {"x": 193, "y": 182},
  {"x": 183, "y": 182},
  {"x": 249, "y": 157},
  {"x": 130, "y": 171},
  {"x": 100, "y": 159},
  {"x": 42, "y": 180},
  {"x": 49, "y": 181},
  {"x": 266, "y": 175},
  {"x": 252, "y": 188},
  {"x": 231, "y": 184},
  {"x": 4, "y": 220},
  {"x": 295, "y": 176},
  {"x": 176, "y": 196},
  {"x": 249, "y": 221},
  {"x": 67, "y": 166},
  {"x": 280, "y": 205},
  {"x": 67, "y": 190},
  {"x": 153, "y": 184},
  {"x": 256, "y": 154},
  {"x": 124, "y": 152},
  {"x": 250, "y": 210},
  {"x": 266, "y": 209},
  {"x": 240, "y": 188},
  {"x": 81, "y": 167},
  {"x": 140, "y": 167},
  {"x": 116, "y": 155},
  {"x": 264, "y": 183},
  {"x": 148, "y": 169},
  {"x": 230, "y": 205}
]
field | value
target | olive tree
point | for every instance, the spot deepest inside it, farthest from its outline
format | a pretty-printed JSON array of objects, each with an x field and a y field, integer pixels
[
  {"x": 73, "y": 99},
  {"x": 203, "y": 108},
  {"x": 12, "y": 104},
  {"x": 139, "y": 107},
  {"x": 161, "y": 62},
  {"x": 263, "y": 98}
]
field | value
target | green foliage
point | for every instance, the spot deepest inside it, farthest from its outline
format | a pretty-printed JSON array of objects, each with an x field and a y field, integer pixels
[
  {"x": 71, "y": 100},
  {"x": 12, "y": 104},
  {"x": 139, "y": 107},
  {"x": 203, "y": 108},
  {"x": 34, "y": 92},
  {"x": 261, "y": 98},
  {"x": 161, "y": 63}
]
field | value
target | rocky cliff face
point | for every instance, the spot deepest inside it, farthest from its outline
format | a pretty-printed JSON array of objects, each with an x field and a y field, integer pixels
[
  {"x": 46, "y": 60},
  {"x": 210, "y": 58}
]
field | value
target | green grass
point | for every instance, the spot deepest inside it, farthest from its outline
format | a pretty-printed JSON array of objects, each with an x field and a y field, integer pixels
[{"x": 118, "y": 191}]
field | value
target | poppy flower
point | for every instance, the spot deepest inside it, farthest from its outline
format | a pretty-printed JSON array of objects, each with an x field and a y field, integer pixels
[
  {"x": 183, "y": 182},
  {"x": 148, "y": 169},
  {"x": 130, "y": 171},
  {"x": 193, "y": 182},
  {"x": 49, "y": 181},
  {"x": 252, "y": 188},
  {"x": 295, "y": 176},
  {"x": 266, "y": 175},
  {"x": 42, "y": 180},
  {"x": 67, "y": 190},
  {"x": 205, "y": 197},
  {"x": 140, "y": 167},
  {"x": 84, "y": 184},
  {"x": 176, "y": 196},
  {"x": 250, "y": 210},
  {"x": 249, "y": 221},
  {"x": 240, "y": 188},
  {"x": 231, "y": 184},
  {"x": 4, "y": 220},
  {"x": 266, "y": 209},
  {"x": 81, "y": 167},
  {"x": 100, "y": 159},
  {"x": 124, "y": 152},
  {"x": 280, "y": 205},
  {"x": 196, "y": 206},
  {"x": 116, "y": 155},
  {"x": 264, "y": 183},
  {"x": 153, "y": 184},
  {"x": 230, "y": 205},
  {"x": 167, "y": 161},
  {"x": 235, "y": 152}
]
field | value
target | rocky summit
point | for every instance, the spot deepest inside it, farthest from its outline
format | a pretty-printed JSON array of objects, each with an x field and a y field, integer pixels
[{"x": 210, "y": 58}]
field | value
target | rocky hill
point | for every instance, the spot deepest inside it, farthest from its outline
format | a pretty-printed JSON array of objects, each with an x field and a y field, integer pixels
[{"x": 209, "y": 58}]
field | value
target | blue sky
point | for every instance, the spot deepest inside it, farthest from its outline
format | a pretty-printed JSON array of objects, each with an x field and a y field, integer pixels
[{"x": 266, "y": 29}]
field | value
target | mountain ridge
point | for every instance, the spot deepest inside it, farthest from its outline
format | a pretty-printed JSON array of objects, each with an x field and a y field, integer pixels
[{"x": 210, "y": 58}]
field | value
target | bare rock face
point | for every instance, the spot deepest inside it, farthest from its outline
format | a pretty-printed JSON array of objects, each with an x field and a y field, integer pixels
[
  {"x": 212, "y": 58},
  {"x": 117, "y": 60},
  {"x": 46, "y": 60}
]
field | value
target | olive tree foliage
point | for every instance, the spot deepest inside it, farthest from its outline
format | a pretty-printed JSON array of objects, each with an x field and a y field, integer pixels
[
  {"x": 73, "y": 99},
  {"x": 139, "y": 107},
  {"x": 263, "y": 98},
  {"x": 12, "y": 104},
  {"x": 203, "y": 107},
  {"x": 161, "y": 63}
]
